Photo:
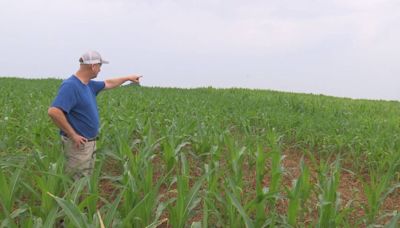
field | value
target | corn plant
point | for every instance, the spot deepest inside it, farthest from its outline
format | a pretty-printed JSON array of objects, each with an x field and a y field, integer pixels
[
  {"x": 261, "y": 158},
  {"x": 379, "y": 187},
  {"x": 212, "y": 197},
  {"x": 187, "y": 199},
  {"x": 276, "y": 170},
  {"x": 8, "y": 190},
  {"x": 236, "y": 138},
  {"x": 298, "y": 195},
  {"x": 235, "y": 202},
  {"x": 329, "y": 198}
]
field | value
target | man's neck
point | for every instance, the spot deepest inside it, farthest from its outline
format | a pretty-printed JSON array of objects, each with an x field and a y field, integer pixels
[{"x": 84, "y": 77}]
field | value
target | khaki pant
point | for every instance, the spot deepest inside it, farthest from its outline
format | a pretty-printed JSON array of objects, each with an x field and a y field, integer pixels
[{"x": 80, "y": 161}]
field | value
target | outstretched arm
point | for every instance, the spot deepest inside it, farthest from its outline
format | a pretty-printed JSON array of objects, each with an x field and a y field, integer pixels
[{"x": 115, "y": 82}]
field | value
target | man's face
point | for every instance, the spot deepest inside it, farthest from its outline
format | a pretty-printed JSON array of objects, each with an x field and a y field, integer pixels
[{"x": 96, "y": 68}]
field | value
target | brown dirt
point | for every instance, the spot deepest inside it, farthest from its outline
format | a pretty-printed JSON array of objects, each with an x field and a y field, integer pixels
[{"x": 351, "y": 188}]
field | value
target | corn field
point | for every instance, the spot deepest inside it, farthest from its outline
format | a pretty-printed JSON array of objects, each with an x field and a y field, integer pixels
[{"x": 203, "y": 157}]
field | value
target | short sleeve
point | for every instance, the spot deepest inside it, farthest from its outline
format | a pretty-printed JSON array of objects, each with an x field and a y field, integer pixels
[
  {"x": 66, "y": 98},
  {"x": 97, "y": 86}
]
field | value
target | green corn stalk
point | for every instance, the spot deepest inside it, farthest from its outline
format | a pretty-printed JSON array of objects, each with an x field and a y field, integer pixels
[
  {"x": 8, "y": 190},
  {"x": 187, "y": 198},
  {"x": 50, "y": 181},
  {"x": 112, "y": 210},
  {"x": 141, "y": 195},
  {"x": 298, "y": 195},
  {"x": 77, "y": 218},
  {"x": 328, "y": 198},
  {"x": 51, "y": 218},
  {"x": 237, "y": 215},
  {"x": 379, "y": 187},
  {"x": 235, "y": 202},
  {"x": 76, "y": 205},
  {"x": 93, "y": 189},
  {"x": 233, "y": 179},
  {"x": 261, "y": 159},
  {"x": 212, "y": 197},
  {"x": 236, "y": 159},
  {"x": 276, "y": 170},
  {"x": 171, "y": 150}
]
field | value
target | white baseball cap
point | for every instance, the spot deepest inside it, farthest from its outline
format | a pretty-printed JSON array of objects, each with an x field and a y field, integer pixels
[{"x": 92, "y": 57}]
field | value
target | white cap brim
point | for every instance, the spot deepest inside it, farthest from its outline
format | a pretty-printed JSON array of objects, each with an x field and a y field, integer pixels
[{"x": 96, "y": 62}]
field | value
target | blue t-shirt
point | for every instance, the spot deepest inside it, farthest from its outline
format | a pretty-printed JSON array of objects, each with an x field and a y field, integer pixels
[{"x": 78, "y": 101}]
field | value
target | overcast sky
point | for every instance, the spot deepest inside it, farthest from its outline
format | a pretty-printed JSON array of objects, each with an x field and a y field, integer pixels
[{"x": 346, "y": 48}]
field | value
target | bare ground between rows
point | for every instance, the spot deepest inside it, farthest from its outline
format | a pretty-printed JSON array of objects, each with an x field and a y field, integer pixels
[{"x": 351, "y": 187}]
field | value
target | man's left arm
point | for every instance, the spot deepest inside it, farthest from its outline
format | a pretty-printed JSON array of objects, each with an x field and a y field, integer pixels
[{"x": 115, "y": 82}]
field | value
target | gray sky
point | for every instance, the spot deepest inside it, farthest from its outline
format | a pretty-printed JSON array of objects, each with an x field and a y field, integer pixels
[{"x": 347, "y": 48}]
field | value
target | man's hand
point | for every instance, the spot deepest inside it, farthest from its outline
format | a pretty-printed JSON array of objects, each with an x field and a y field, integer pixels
[
  {"x": 78, "y": 140},
  {"x": 135, "y": 78}
]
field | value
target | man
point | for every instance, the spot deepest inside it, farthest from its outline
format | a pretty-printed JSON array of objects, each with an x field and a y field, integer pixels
[{"x": 74, "y": 111}]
